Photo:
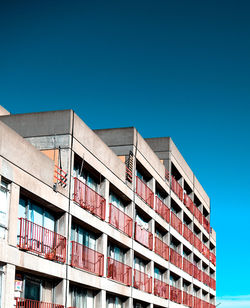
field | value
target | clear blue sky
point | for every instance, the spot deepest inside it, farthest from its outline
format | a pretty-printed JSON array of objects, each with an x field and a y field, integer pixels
[{"x": 169, "y": 68}]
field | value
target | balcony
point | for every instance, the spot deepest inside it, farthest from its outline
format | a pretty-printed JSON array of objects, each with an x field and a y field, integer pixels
[
  {"x": 119, "y": 271},
  {"x": 161, "y": 249},
  {"x": 189, "y": 203},
  {"x": 187, "y": 299},
  {"x": 161, "y": 289},
  {"x": 205, "y": 278},
  {"x": 176, "y": 223},
  {"x": 197, "y": 273},
  {"x": 188, "y": 234},
  {"x": 176, "y": 188},
  {"x": 212, "y": 258},
  {"x": 89, "y": 199},
  {"x": 206, "y": 224},
  {"x": 205, "y": 251},
  {"x": 142, "y": 281},
  {"x": 143, "y": 236},
  {"x": 144, "y": 192},
  {"x": 212, "y": 283},
  {"x": 175, "y": 258},
  {"x": 29, "y": 303},
  {"x": 197, "y": 243},
  {"x": 205, "y": 304},
  {"x": 87, "y": 259},
  {"x": 120, "y": 220},
  {"x": 162, "y": 209},
  {"x": 197, "y": 302},
  {"x": 197, "y": 214},
  {"x": 42, "y": 241},
  {"x": 175, "y": 295},
  {"x": 188, "y": 267}
]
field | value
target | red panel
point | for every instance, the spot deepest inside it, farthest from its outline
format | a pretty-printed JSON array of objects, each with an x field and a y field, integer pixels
[
  {"x": 142, "y": 281},
  {"x": 206, "y": 224},
  {"x": 87, "y": 259},
  {"x": 197, "y": 243},
  {"x": 188, "y": 234},
  {"x": 197, "y": 302},
  {"x": 205, "y": 251},
  {"x": 175, "y": 258},
  {"x": 197, "y": 214},
  {"x": 212, "y": 283},
  {"x": 29, "y": 303},
  {"x": 175, "y": 295},
  {"x": 205, "y": 278},
  {"x": 144, "y": 192},
  {"x": 197, "y": 273},
  {"x": 119, "y": 272},
  {"x": 176, "y": 223},
  {"x": 187, "y": 299},
  {"x": 42, "y": 241},
  {"x": 213, "y": 258},
  {"x": 176, "y": 188},
  {"x": 166, "y": 174},
  {"x": 88, "y": 199},
  {"x": 188, "y": 267},
  {"x": 189, "y": 203},
  {"x": 120, "y": 220},
  {"x": 205, "y": 304},
  {"x": 162, "y": 209},
  {"x": 161, "y": 248},
  {"x": 143, "y": 236},
  {"x": 161, "y": 289}
]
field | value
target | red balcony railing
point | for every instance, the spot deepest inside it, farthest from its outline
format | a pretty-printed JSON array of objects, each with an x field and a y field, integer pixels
[
  {"x": 188, "y": 267},
  {"x": 205, "y": 304},
  {"x": 188, "y": 234},
  {"x": 119, "y": 271},
  {"x": 205, "y": 251},
  {"x": 197, "y": 214},
  {"x": 176, "y": 223},
  {"x": 212, "y": 283},
  {"x": 166, "y": 174},
  {"x": 197, "y": 273},
  {"x": 162, "y": 209},
  {"x": 143, "y": 236},
  {"x": 29, "y": 303},
  {"x": 189, "y": 203},
  {"x": 212, "y": 306},
  {"x": 175, "y": 258},
  {"x": 197, "y": 302},
  {"x": 187, "y": 299},
  {"x": 144, "y": 192},
  {"x": 176, "y": 188},
  {"x": 212, "y": 258},
  {"x": 161, "y": 289},
  {"x": 60, "y": 176},
  {"x": 161, "y": 248},
  {"x": 89, "y": 199},
  {"x": 205, "y": 278},
  {"x": 87, "y": 259},
  {"x": 175, "y": 295},
  {"x": 206, "y": 224},
  {"x": 197, "y": 243},
  {"x": 42, "y": 241},
  {"x": 120, "y": 220},
  {"x": 142, "y": 281}
]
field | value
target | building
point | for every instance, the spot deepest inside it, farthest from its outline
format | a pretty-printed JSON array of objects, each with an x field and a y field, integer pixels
[{"x": 101, "y": 218}]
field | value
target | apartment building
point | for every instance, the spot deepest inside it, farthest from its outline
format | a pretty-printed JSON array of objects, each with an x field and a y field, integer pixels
[{"x": 100, "y": 218}]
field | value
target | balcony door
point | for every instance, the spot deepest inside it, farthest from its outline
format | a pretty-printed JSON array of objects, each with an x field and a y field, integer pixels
[{"x": 32, "y": 289}]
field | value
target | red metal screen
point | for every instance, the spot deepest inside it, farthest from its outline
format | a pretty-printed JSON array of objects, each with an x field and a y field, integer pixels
[
  {"x": 206, "y": 224},
  {"x": 176, "y": 188},
  {"x": 197, "y": 214},
  {"x": 161, "y": 248},
  {"x": 188, "y": 267},
  {"x": 142, "y": 281},
  {"x": 197, "y": 243},
  {"x": 88, "y": 199},
  {"x": 176, "y": 223},
  {"x": 166, "y": 174},
  {"x": 205, "y": 278},
  {"x": 119, "y": 272},
  {"x": 205, "y": 304},
  {"x": 143, "y": 236},
  {"x": 175, "y": 258},
  {"x": 197, "y": 273},
  {"x": 161, "y": 288},
  {"x": 205, "y": 251},
  {"x": 197, "y": 302},
  {"x": 144, "y": 192},
  {"x": 188, "y": 234},
  {"x": 87, "y": 259},
  {"x": 212, "y": 306},
  {"x": 175, "y": 295},
  {"x": 189, "y": 203},
  {"x": 162, "y": 209},
  {"x": 29, "y": 303},
  {"x": 60, "y": 176},
  {"x": 212, "y": 283},
  {"x": 187, "y": 299},
  {"x": 213, "y": 258},
  {"x": 42, "y": 241},
  {"x": 120, "y": 220}
]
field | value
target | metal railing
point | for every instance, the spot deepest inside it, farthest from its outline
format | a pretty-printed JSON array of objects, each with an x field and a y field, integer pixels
[
  {"x": 162, "y": 209},
  {"x": 120, "y": 220},
  {"x": 29, "y": 303},
  {"x": 161, "y": 249},
  {"x": 187, "y": 299},
  {"x": 188, "y": 266},
  {"x": 161, "y": 289},
  {"x": 144, "y": 192},
  {"x": 119, "y": 271},
  {"x": 175, "y": 258},
  {"x": 188, "y": 234},
  {"x": 142, "y": 281},
  {"x": 176, "y": 188},
  {"x": 143, "y": 236},
  {"x": 175, "y": 295},
  {"x": 176, "y": 223}
]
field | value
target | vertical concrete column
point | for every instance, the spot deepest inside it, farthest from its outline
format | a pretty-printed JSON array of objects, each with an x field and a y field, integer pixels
[
  {"x": 9, "y": 293},
  {"x": 150, "y": 306},
  {"x": 102, "y": 245},
  {"x": 150, "y": 271},
  {"x": 105, "y": 192},
  {"x": 101, "y": 299},
  {"x": 13, "y": 214},
  {"x": 60, "y": 292},
  {"x": 128, "y": 303},
  {"x": 154, "y": 189}
]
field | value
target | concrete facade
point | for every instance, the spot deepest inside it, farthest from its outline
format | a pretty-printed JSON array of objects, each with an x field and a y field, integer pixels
[{"x": 64, "y": 181}]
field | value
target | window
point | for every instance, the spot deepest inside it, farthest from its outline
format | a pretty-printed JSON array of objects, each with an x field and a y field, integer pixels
[
  {"x": 81, "y": 298},
  {"x": 158, "y": 274},
  {"x": 140, "y": 265},
  {"x": 141, "y": 222},
  {"x": 116, "y": 253},
  {"x": 86, "y": 178},
  {"x": 4, "y": 204},
  {"x": 114, "y": 302},
  {"x": 83, "y": 237},
  {"x": 117, "y": 202}
]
